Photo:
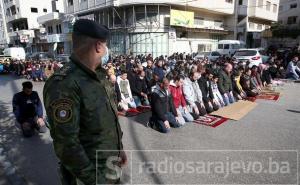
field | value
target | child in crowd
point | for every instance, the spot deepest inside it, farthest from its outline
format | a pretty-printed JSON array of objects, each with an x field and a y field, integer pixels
[{"x": 217, "y": 95}]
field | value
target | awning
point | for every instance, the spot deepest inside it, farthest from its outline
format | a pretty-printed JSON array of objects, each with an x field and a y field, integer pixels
[{"x": 202, "y": 30}]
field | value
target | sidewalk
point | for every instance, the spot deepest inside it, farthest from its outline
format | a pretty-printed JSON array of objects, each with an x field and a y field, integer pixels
[{"x": 8, "y": 174}]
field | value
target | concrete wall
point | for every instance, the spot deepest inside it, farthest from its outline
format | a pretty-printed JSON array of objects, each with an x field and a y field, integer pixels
[
  {"x": 286, "y": 11},
  {"x": 258, "y": 11},
  {"x": 25, "y": 11}
]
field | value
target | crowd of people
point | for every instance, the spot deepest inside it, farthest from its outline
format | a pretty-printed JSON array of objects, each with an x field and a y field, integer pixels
[
  {"x": 30, "y": 69},
  {"x": 179, "y": 89}
]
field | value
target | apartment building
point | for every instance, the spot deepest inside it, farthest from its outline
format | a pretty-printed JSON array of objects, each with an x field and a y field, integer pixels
[
  {"x": 255, "y": 16},
  {"x": 4, "y": 40},
  {"x": 289, "y": 13},
  {"x": 21, "y": 21},
  {"x": 56, "y": 34},
  {"x": 160, "y": 27}
]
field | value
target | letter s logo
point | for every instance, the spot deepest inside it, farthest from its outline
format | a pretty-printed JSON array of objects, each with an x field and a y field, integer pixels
[{"x": 116, "y": 171}]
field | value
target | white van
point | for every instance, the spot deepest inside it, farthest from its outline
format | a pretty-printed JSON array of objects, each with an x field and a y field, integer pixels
[
  {"x": 17, "y": 53},
  {"x": 228, "y": 47}
]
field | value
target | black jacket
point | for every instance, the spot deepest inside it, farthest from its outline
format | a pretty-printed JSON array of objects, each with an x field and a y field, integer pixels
[
  {"x": 118, "y": 92},
  {"x": 205, "y": 87},
  {"x": 149, "y": 73},
  {"x": 161, "y": 103},
  {"x": 224, "y": 83},
  {"x": 25, "y": 107},
  {"x": 138, "y": 85}
]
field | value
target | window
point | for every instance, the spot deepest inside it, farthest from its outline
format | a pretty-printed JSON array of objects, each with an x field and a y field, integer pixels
[
  {"x": 199, "y": 21},
  {"x": 294, "y": 5},
  {"x": 280, "y": 8},
  {"x": 13, "y": 10},
  {"x": 236, "y": 46},
  {"x": 218, "y": 23},
  {"x": 274, "y": 8},
  {"x": 292, "y": 20},
  {"x": 129, "y": 17},
  {"x": 34, "y": 10},
  {"x": 70, "y": 2},
  {"x": 228, "y": 1},
  {"x": 226, "y": 46},
  {"x": 268, "y": 5},
  {"x": 260, "y": 3},
  {"x": 215, "y": 53},
  {"x": 259, "y": 26},
  {"x": 7, "y": 12},
  {"x": 240, "y": 2},
  {"x": 50, "y": 30},
  {"x": 58, "y": 29},
  {"x": 245, "y": 53},
  {"x": 152, "y": 13},
  {"x": 45, "y": 10},
  {"x": 140, "y": 13},
  {"x": 251, "y": 25}
]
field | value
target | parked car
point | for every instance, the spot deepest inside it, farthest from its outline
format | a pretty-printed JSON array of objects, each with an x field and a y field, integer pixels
[
  {"x": 228, "y": 47},
  {"x": 251, "y": 56},
  {"x": 63, "y": 58},
  {"x": 17, "y": 53},
  {"x": 212, "y": 56}
]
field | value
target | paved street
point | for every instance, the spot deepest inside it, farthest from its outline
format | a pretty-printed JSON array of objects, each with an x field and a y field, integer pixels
[{"x": 270, "y": 126}]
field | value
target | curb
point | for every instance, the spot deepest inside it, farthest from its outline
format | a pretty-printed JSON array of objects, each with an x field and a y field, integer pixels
[{"x": 10, "y": 171}]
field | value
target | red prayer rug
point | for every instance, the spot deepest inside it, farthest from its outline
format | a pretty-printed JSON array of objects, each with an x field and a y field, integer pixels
[
  {"x": 209, "y": 120},
  {"x": 134, "y": 112},
  {"x": 274, "y": 97},
  {"x": 143, "y": 109}
]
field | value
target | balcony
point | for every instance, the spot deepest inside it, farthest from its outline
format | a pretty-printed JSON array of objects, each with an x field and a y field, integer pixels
[
  {"x": 13, "y": 17},
  {"x": 30, "y": 33},
  {"x": 217, "y": 6},
  {"x": 264, "y": 14},
  {"x": 49, "y": 17},
  {"x": 58, "y": 38}
]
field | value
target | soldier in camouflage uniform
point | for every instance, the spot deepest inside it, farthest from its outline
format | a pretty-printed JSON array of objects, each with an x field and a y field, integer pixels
[{"x": 82, "y": 114}]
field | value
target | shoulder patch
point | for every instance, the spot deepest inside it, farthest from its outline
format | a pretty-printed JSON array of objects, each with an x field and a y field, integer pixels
[{"x": 62, "y": 110}]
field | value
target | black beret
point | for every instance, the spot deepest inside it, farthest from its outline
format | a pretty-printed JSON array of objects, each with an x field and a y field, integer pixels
[{"x": 91, "y": 28}]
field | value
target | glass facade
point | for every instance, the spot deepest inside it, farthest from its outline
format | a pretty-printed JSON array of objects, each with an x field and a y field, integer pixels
[
  {"x": 117, "y": 43},
  {"x": 144, "y": 43}
]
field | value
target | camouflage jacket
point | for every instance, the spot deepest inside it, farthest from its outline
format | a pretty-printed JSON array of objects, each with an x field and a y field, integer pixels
[{"x": 82, "y": 117}]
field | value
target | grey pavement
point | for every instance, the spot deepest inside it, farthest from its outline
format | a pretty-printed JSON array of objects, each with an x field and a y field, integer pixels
[{"x": 273, "y": 126}]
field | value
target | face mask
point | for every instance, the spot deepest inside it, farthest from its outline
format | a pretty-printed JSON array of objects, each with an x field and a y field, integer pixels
[{"x": 105, "y": 58}]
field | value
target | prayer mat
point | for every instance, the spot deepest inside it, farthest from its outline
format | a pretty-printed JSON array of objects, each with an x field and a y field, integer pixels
[
  {"x": 209, "y": 120},
  {"x": 268, "y": 97},
  {"x": 236, "y": 111}
]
